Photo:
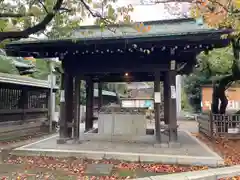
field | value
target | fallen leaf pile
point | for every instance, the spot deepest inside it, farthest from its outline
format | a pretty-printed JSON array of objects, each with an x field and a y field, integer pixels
[
  {"x": 52, "y": 168},
  {"x": 228, "y": 149},
  {"x": 76, "y": 167}
]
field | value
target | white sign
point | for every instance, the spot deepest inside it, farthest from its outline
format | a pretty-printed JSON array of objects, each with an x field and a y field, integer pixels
[
  {"x": 173, "y": 92},
  {"x": 137, "y": 103},
  {"x": 173, "y": 65},
  {"x": 62, "y": 96},
  {"x": 157, "y": 97}
]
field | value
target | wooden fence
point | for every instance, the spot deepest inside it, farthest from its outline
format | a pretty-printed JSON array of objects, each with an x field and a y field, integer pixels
[
  {"x": 24, "y": 102},
  {"x": 223, "y": 125}
]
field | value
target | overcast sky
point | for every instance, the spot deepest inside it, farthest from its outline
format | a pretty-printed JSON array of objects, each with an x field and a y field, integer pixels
[
  {"x": 149, "y": 12},
  {"x": 143, "y": 13}
]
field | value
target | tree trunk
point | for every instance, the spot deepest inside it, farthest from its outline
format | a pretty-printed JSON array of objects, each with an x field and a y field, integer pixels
[
  {"x": 219, "y": 94},
  {"x": 215, "y": 99}
]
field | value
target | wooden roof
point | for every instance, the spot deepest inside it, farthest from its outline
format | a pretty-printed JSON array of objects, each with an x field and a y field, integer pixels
[{"x": 89, "y": 39}]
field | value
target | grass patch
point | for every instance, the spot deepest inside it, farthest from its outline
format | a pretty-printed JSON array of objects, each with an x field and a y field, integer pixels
[{"x": 122, "y": 173}]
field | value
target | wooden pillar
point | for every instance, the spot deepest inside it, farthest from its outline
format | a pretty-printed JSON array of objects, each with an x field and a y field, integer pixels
[
  {"x": 166, "y": 95},
  {"x": 100, "y": 97},
  {"x": 79, "y": 108},
  {"x": 89, "y": 104},
  {"x": 157, "y": 101},
  {"x": 49, "y": 111},
  {"x": 62, "y": 122},
  {"x": 68, "y": 86},
  {"x": 77, "y": 83},
  {"x": 170, "y": 100}
]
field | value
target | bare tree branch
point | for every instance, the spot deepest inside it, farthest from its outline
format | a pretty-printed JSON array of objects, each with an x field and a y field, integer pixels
[
  {"x": 14, "y": 15},
  {"x": 19, "y": 15},
  {"x": 97, "y": 15},
  {"x": 44, "y": 7},
  {"x": 31, "y": 30}
]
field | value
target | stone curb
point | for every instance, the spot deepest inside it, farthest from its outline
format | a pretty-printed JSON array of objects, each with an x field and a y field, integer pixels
[
  {"x": 210, "y": 174},
  {"x": 133, "y": 157},
  {"x": 26, "y": 142},
  {"x": 5, "y": 150}
]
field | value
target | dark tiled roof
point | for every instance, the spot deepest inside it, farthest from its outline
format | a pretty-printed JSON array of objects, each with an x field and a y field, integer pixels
[{"x": 176, "y": 27}]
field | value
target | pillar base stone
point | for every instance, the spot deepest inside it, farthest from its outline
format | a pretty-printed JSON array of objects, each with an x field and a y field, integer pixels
[
  {"x": 174, "y": 145},
  {"x": 77, "y": 141},
  {"x": 161, "y": 145},
  {"x": 167, "y": 145}
]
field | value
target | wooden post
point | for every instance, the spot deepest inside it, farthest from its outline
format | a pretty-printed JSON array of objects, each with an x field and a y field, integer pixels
[
  {"x": 166, "y": 94},
  {"x": 89, "y": 104},
  {"x": 49, "y": 111},
  {"x": 76, "y": 108},
  {"x": 69, "y": 103},
  {"x": 172, "y": 108},
  {"x": 62, "y": 122},
  {"x": 157, "y": 101},
  {"x": 100, "y": 97}
]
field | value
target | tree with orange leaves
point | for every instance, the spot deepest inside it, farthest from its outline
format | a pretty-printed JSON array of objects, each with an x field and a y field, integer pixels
[
  {"x": 222, "y": 14},
  {"x": 217, "y": 14}
]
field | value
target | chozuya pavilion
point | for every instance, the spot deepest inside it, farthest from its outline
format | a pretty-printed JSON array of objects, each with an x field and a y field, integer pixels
[{"x": 168, "y": 49}]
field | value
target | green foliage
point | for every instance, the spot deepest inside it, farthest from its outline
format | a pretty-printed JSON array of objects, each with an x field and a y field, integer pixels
[
  {"x": 217, "y": 62},
  {"x": 210, "y": 67},
  {"x": 7, "y": 66},
  {"x": 111, "y": 15},
  {"x": 83, "y": 93},
  {"x": 185, "y": 101},
  {"x": 67, "y": 19},
  {"x": 42, "y": 69}
]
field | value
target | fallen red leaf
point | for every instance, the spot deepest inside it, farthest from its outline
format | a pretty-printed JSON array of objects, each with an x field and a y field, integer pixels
[{"x": 228, "y": 149}]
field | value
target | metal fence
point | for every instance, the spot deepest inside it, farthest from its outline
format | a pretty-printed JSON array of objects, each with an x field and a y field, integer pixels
[
  {"x": 223, "y": 125},
  {"x": 23, "y": 102}
]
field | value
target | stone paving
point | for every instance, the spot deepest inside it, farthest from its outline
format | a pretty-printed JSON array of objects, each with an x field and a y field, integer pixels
[
  {"x": 190, "y": 152},
  {"x": 188, "y": 146}
]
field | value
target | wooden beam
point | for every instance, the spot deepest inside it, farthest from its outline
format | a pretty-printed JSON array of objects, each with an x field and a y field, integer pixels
[
  {"x": 52, "y": 49},
  {"x": 131, "y": 76},
  {"x": 121, "y": 78},
  {"x": 95, "y": 69}
]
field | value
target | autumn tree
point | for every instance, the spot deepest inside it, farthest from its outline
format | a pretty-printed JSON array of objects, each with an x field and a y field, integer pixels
[
  {"x": 222, "y": 14},
  {"x": 217, "y": 14},
  {"x": 54, "y": 18}
]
